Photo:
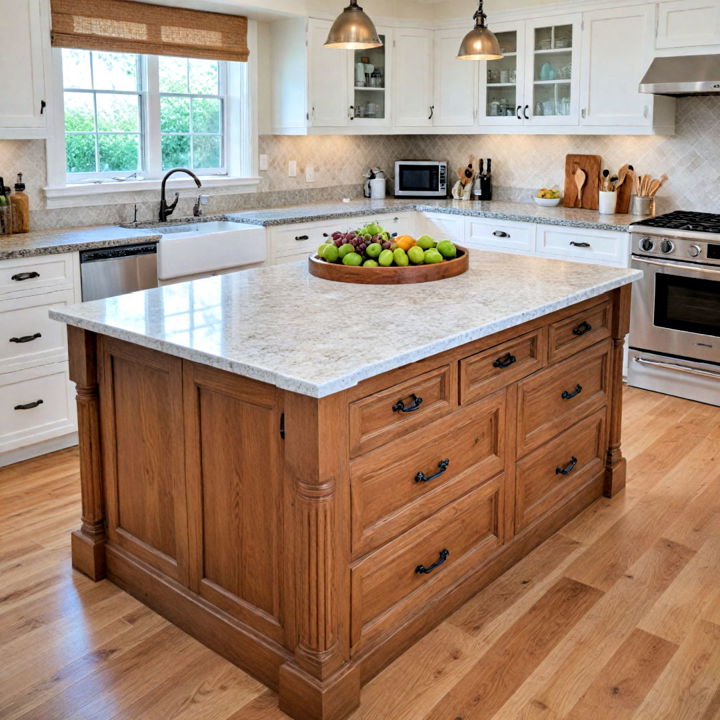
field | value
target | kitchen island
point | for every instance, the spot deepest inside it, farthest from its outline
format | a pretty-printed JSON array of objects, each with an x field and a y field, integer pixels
[{"x": 307, "y": 476}]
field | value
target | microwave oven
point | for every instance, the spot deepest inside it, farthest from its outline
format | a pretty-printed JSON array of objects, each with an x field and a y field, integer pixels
[{"x": 420, "y": 179}]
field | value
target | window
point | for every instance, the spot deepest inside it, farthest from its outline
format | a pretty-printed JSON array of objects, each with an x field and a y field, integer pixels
[{"x": 140, "y": 115}]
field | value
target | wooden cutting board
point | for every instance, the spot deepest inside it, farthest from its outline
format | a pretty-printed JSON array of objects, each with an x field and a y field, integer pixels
[
  {"x": 591, "y": 165},
  {"x": 624, "y": 192}
]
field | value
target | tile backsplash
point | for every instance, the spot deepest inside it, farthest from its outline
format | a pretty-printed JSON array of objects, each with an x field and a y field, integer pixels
[{"x": 521, "y": 163}]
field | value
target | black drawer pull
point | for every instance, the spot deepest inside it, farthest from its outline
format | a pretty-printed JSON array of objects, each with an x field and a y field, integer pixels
[
  {"x": 501, "y": 233},
  {"x": 582, "y": 328},
  {"x": 568, "y": 468},
  {"x": 400, "y": 406},
  {"x": 442, "y": 467},
  {"x": 29, "y": 406},
  {"x": 26, "y": 338},
  {"x": 422, "y": 570},
  {"x": 505, "y": 361},
  {"x": 302, "y": 237},
  {"x": 25, "y": 276},
  {"x": 569, "y": 395},
  {"x": 579, "y": 244}
]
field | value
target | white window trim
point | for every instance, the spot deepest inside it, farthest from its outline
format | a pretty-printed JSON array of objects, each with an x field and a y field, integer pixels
[{"x": 241, "y": 137}]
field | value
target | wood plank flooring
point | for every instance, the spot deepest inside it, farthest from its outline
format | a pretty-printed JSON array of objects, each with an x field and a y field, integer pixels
[{"x": 615, "y": 617}]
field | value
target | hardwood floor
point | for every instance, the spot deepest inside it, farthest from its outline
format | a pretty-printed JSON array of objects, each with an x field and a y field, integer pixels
[{"x": 616, "y": 616}]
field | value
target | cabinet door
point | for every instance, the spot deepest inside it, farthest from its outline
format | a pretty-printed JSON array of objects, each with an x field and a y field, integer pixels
[
  {"x": 412, "y": 85},
  {"x": 329, "y": 104},
  {"x": 688, "y": 23},
  {"x": 502, "y": 82},
  {"x": 371, "y": 73},
  {"x": 21, "y": 82},
  {"x": 611, "y": 78},
  {"x": 455, "y": 82},
  {"x": 552, "y": 71}
]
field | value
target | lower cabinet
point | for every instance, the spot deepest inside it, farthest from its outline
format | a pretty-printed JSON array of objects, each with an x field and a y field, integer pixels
[
  {"x": 599, "y": 247},
  {"x": 502, "y": 235}
]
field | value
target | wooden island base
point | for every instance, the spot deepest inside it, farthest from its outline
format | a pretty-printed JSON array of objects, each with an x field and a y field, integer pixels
[{"x": 311, "y": 541}]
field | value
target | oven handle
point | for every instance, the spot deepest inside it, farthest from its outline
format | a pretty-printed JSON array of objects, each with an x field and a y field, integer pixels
[
  {"x": 667, "y": 264},
  {"x": 676, "y": 367}
]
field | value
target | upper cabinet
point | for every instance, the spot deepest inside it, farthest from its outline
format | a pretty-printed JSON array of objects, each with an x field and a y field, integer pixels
[
  {"x": 455, "y": 83},
  {"x": 412, "y": 87},
  {"x": 370, "y": 106},
  {"x": 688, "y": 24},
  {"x": 24, "y": 44}
]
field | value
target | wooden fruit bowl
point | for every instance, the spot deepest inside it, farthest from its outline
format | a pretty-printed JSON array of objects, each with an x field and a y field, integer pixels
[{"x": 390, "y": 275}]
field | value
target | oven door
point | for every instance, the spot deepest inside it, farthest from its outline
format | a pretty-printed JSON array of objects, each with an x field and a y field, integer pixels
[
  {"x": 416, "y": 179},
  {"x": 676, "y": 309}
]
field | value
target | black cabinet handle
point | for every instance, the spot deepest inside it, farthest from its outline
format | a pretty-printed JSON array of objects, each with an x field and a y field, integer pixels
[
  {"x": 400, "y": 406},
  {"x": 580, "y": 244},
  {"x": 582, "y": 328},
  {"x": 422, "y": 570},
  {"x": 29, "y": 406},
  {"x": 501, "y": 233},
  {"x": 505, "y": 361},
  {"x": 26, "y": 338},
  {"x": 432, "y": 112},
  {"x": 351, "y": 112},
  {"x": 568, "y": 468},
  {"x": 525, "y": 112},
  {"x": 569, "y": 395},
  {"x": 43, "y": 105},
  {"x": 517, "y": 112},
  {"x": 302, "y": 237},
  {"x": 19, "y": 277},
  {"x": 442, "y": 467}
]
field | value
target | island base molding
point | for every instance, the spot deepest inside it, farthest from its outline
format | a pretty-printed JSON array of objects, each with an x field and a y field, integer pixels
[{"x": 312, "y": 541}]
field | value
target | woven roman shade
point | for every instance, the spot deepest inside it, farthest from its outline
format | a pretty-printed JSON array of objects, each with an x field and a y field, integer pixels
[{"x": 137, "y": 27}]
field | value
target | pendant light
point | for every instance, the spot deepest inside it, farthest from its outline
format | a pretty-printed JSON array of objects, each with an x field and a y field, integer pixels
[
  {"x": 353, "y": 30},
  {"x": 480, "y": 43}
]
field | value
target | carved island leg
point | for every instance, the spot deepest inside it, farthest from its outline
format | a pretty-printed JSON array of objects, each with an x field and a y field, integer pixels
[
  {"x": 319, "y": 684},
  {"x": 616, "y": 465},
  {"x": 88, "y": 543}
]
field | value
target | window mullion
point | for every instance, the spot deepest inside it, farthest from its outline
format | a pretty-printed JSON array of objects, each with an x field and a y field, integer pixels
[{"x": 151, "y": 95}]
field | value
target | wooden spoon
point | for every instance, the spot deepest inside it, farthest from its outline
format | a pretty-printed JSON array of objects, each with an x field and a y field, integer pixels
[
  {"x": 655, "y": 185},
  {"x": 580, "y": 177},
  {"x": 645, "y": 185},
  {"x": 622, "y": 174}
]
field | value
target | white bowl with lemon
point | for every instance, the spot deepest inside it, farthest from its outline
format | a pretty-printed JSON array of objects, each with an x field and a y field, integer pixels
[{"x": 548, "y": 197}]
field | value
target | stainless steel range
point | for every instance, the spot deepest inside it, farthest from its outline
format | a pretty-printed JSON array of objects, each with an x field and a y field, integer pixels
[{"x": 675, "y": 320}]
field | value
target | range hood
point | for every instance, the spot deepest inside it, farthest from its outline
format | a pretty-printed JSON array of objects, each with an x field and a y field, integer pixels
[{"x": 685, "y": 75}]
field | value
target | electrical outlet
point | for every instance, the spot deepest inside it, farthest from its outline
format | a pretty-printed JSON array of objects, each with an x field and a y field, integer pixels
[
  {"x": 292, "y": 168},
  {"x": 309, "y": 174},
  {"x": 263, "y": 162}
]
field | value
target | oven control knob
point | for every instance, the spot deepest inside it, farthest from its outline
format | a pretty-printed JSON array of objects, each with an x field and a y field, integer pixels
[
  {"x": 694, "y": 251},
  {"x": 667, "y": 246},
  {"x": 647, "y": 244}
]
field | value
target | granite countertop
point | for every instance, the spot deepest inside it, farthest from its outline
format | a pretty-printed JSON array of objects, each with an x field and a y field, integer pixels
[
  {"x": 46, "y": 242},
  {"x": 282, "y": 326}
]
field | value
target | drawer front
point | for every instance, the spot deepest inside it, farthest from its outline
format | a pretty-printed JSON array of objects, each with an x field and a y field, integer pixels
[
  {"x": 400, "y": 578},
  {"x": 546, "y": 478},
  {"x": 559, "y": 396},
  {"x": 579, "y": 331},
  {"x": 27, "y": 335},
  {"x": 441, "y": 226},
  {"x": 501, "y": 365},
  {"x": 593, "y": 246},
  {"x": 379, "y": 418},
  {"x": 486, "y": 233},
  {"x": 398, "y": 485},
  {"x": 24, "y": 420},
  {"x": 301, "y": 239},
  {"x": 28, "y": 274}
]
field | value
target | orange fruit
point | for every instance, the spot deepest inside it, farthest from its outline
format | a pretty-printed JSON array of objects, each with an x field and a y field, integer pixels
[{"x": 405, "y": 242}]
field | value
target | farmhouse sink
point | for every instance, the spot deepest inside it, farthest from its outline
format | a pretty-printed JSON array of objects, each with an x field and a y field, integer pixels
[{"x": 204, "y": 247}]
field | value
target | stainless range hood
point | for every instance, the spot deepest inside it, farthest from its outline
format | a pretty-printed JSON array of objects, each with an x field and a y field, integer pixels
[{"x": 685, "y": 75}]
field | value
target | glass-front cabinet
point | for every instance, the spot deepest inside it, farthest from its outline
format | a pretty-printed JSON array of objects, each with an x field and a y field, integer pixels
[
  {"x": 502, "y": 90},
  {"x": 370, "y": 76}
]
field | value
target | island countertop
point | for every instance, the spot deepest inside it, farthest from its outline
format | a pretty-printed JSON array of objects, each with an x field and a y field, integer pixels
[{"x": 282, "y": 326}]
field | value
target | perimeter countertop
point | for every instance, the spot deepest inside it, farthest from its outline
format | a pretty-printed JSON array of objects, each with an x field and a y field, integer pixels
[
  {"x": 46, "y": 242},
  {"x": 282, "y": 326}
]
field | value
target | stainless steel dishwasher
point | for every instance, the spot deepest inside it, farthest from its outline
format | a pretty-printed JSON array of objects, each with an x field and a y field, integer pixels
[{"x": 118, "y": 270}]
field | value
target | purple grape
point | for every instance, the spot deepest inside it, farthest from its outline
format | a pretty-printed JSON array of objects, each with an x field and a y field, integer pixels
[
  {"x": 362, "y": 247},
  {"x": 336, "y": 235},
  {"x": 338, "y": 242},
  {"x": 386, "y": 245}
]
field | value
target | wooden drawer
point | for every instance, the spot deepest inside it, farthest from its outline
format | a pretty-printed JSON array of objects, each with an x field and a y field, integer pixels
[
  {"x": 392, "y": 583},
  {"x": 29, "y": 274},
  {"x": 501, "y": 365},
  {"x": 574, "y": 333},
  {"x": 559, "y": 396},
  {"x": 546, "y": 478},
  {"x": 27, "y": 335},
  {"x": 393, "y": 487},
  {"x": 35, "y": 405},
  {"x": 491, "y": 234},
  {"x": 385, "y": 415}
]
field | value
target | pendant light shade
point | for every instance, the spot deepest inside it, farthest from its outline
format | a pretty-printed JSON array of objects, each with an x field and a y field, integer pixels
[
  {"x": 353, "y": 30},
  {"x": 480, "y": 43}
]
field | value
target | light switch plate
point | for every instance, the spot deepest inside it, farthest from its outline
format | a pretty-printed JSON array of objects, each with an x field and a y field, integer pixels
[
  {"x": 263, "y": 162},
  {"x": 292, "y": 168},
  {"x": 309, "y": 174}
]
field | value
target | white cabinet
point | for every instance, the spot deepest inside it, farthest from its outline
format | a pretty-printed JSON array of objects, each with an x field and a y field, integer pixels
[
  {"x": 583, "y": 245},
  {"x": 455, "y": 82},
  {"x": 442, "y": 226},
  {"x": 412, "y": 78},
  {"x": 688, "y": 24},
  {"x": 24, "y": 43},
  {"x": 504, "y": 235}
]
